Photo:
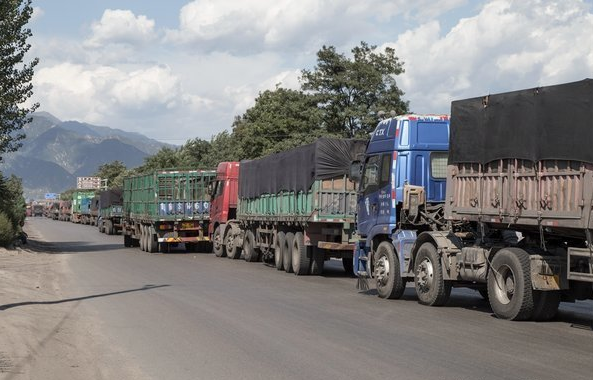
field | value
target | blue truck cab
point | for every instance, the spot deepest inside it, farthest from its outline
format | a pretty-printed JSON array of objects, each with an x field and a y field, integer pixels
[{"x": 404, "y": 166}]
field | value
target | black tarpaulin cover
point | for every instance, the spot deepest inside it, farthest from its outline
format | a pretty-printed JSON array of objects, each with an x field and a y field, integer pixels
[
  {"x": 111, "y": 197},
  {"x": 298, "y": 168},
  {"x": 553, "y": 122}
]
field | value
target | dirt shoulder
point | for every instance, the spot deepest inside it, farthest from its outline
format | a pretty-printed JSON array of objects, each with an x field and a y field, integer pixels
[{"x": 43, "y": 334}]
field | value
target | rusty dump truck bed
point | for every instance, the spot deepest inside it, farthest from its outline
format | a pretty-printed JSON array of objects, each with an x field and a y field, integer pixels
[{"x": 524, "y": 159}]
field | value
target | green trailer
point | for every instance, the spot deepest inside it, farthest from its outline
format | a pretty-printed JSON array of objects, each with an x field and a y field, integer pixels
[
  {"x": 81, "y": 206},
  {"x": 167, "y": 207},
  {"x": 296, "y": 209}
]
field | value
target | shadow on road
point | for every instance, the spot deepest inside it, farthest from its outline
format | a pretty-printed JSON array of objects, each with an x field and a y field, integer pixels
[
  {"x": 69, "y": 247},
  {"x": 145, "y": 287},
  {"x": 466, "y": 299}
]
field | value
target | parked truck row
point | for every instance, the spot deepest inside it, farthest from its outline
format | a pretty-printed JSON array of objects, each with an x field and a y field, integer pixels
[{"x": 498, "y": 198}]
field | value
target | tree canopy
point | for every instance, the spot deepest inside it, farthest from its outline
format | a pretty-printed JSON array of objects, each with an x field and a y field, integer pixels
[
  {"x": 113, "y": 172},
  {"x": 351, "y": 92},
  {"x": 341, "y": 96},
  {"x": 15, "y": 75}
]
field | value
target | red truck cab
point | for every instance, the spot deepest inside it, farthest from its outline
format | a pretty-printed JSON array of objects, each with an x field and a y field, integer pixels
[{"x": 223, "y": 205}]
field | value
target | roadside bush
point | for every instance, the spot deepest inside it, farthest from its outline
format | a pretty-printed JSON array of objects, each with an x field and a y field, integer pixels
[{"x": 7, "y": 233}]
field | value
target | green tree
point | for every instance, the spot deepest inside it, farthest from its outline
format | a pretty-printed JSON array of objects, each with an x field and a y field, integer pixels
[
  {"x": 165, "y": 158},
  {"x": 194, "y": 153},
  {"x": 12, "y": 206},
  {"x": 280, "y": 119},
  {"x": 351, "y": 92},
  {"x": 15, "y": 75},
  {"x": 223, "y": 147},
  {"x": 112, "y": 172}
]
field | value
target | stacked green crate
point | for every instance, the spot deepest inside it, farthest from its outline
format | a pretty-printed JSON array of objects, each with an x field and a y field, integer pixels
[{"x": 168, "y": 195}]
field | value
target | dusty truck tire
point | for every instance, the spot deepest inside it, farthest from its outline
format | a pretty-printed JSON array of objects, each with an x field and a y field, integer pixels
[
  {"x": 387, "y": 272},
  {"x": 232, "y": 250},
  {"x": 287, "y": 252},
  {"x": 217, "y": 243},
  {"x": 431, "y": 288},
  {"x": 280, "y": 239},
  {"x": 300, "y": 261},
  {"x": 509, "y": 285},
  {"x": 249, "y": 250},
  {"x": 141, "y": 240}
]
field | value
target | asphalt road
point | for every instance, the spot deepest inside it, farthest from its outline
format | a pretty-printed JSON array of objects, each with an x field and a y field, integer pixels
[{"x": 196, "y": 316}]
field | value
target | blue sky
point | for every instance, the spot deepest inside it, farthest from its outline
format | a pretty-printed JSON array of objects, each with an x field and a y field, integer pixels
[{"x": 180, "y": 69}]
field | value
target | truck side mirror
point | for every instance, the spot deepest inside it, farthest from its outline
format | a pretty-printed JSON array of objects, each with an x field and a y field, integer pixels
[
  {"x": 210, "y": 189},
  {"x": 355, "y": 173}
]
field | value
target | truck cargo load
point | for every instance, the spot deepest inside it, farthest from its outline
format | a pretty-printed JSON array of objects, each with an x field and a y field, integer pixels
[
  {"x": 295, "y": 208},
  {"x": 167, "y": 207}
]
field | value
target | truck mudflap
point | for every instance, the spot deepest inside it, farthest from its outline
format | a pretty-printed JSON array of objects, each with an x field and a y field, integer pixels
[{"x": 187, "y": 239}]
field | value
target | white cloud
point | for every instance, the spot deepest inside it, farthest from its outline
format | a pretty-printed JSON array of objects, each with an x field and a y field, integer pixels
[
  {"x": 245, "y": 27},
  {"x": 38, "y": 12},
  {"x": 102, "y": 94},
  {"x": 508, "y": 45},
  {"x": 121, "y": 27}
]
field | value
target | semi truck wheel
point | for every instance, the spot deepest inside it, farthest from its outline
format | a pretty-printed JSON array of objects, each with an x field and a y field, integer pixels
[
  {"x": 387, "y": 272},
  {"x": 431, "y": 288},
  {"x": 153, "y": 244},
  {"x": 251, "y": 254},
  {"x": 509, "y": 285},
  {"x": 287, "y": 252},
  {"x": 143, "y": 238},
  {"x": 217, "y": 245},
  {"x": 300, "y": 261},
  {"x": 232, "y": 250},
  {"x": 280, "y": 239},
  {"x": 545, "y": 304}
]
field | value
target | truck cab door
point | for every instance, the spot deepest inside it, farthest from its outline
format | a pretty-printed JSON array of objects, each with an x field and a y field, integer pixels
[{"x": 368, "y": 199}]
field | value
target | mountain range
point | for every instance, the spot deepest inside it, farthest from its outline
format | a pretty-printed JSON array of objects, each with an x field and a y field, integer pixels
[{"x": 55, "y": 152}]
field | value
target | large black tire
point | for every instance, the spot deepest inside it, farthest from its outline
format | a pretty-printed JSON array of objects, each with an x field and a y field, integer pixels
[
  {"x": 348, "y": 264},
  {"x": 431, "y": 288},
  {"x": 232, "y": 250},
  {"x": 251, "y": 254},
  {"x": 387, "y": 272},
  {"x": 280, "y": 239},
  {"x": 153, "y": 244},
  {"x": 300, "y": 261},
  {"x": 217, "y": 243},
  {"x": 317, "y": 261},
  {"x": 509, "y": 285},
  {"x": 287, "y": 252},
  {"x": 142, "y": 238},
  {"x": 127, "y": 241},
  {"x": 545, "y": 304}
]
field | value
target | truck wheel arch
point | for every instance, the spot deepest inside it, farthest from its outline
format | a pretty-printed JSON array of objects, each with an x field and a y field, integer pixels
[{"x": 440, "y": 240}]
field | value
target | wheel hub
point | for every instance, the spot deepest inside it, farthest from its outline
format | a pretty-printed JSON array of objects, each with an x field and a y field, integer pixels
[
  {"x": 505, "y": 285},
  {"x": 382, "y": 270},
  {"x": 425, "y": 275}
]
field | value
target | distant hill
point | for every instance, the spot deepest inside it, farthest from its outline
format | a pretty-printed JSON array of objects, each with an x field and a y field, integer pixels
[{"x": 56, "y": 152}]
